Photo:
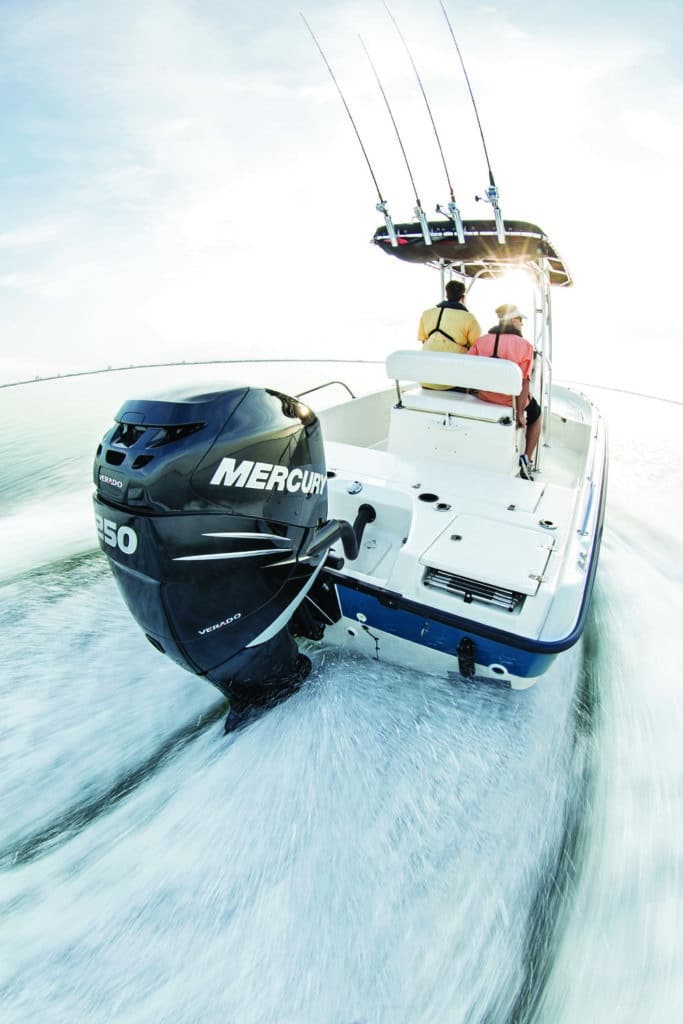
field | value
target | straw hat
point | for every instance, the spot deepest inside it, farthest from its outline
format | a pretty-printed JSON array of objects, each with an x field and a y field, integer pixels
[{"x": 507, "y": 312}]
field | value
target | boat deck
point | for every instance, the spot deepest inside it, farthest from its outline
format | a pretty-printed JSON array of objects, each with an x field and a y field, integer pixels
[
  {"x": 365, "y": 424},
  {"x": 447, "y": 527}
]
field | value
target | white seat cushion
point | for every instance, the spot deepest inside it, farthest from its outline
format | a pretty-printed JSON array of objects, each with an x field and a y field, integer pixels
[{"x": 454, "y": 403}]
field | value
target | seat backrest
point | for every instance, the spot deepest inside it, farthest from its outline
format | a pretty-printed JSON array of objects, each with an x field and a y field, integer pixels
[{"x": 477, "y": 372}]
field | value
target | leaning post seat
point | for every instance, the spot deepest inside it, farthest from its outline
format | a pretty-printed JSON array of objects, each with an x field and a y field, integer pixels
[
  {"x": 451, "y": 424},
  {"x": 477, "y": 372}
]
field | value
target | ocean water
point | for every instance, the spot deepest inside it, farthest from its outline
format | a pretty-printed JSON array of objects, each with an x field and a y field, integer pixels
[{"x": 382, "y": 847}]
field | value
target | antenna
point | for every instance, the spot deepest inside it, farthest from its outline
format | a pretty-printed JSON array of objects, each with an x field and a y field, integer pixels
[
  {"x": 453, "y": 210},
  {"x": 492, "y": 195},
  {"x": 419, "y": 212},
  {"x": 381, "y": 205}
]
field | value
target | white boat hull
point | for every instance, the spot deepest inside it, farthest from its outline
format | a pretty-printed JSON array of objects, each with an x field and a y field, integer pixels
[{"x": 466, "y": 568}]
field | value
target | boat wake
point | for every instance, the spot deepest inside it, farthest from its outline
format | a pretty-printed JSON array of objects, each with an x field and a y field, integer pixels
[
  {"x": 71, "y": 678},
  {"x": 380, "y": 845},
  {"x": 31, "y": 537}
]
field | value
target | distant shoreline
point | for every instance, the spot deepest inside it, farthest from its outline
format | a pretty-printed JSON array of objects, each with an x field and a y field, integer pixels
[
  {"x": 70, "y": 374},
  {"x": 182, "y": 362}
]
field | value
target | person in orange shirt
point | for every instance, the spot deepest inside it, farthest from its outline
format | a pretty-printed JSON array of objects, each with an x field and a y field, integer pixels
[{"x": 505, "y": 341}]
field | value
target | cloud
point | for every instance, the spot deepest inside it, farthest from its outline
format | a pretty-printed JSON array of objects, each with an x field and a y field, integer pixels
[
  {"x": 655, "y": 131},
  {"x": 31, "y": 235},
  {"x": 21, "y": 282}
]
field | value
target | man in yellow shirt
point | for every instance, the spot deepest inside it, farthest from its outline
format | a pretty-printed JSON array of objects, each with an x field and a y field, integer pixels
[{"x": 448, "y": 326}]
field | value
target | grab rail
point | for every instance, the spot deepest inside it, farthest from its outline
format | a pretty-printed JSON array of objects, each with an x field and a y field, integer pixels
[{"x": 319, "y": 387}]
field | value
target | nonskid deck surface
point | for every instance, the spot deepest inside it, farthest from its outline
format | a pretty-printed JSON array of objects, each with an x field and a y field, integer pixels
[{"x": 457, "y": 520}]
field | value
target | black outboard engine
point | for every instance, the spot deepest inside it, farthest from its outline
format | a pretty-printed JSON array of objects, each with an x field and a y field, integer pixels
[{"x": 212, "y": 510}]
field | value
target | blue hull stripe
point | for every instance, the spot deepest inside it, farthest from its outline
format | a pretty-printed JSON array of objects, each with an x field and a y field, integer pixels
[{"x": 439, "y": 636}]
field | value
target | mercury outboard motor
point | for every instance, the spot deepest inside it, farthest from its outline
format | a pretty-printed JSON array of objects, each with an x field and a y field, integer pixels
[{"x": 212, "y": 510}]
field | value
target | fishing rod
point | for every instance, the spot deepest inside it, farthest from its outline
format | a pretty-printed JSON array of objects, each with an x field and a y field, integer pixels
[
  {"x": 453, "y": 210},
  {"x": 381, "y": 205},
  {"x": 492, "y": 196},
  {"x": 419, "y": 211}
]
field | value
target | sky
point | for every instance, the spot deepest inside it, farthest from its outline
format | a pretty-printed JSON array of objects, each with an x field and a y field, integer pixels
[{"x": 181, "y": 181}]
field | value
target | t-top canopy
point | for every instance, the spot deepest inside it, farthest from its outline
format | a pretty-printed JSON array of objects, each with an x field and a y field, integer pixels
[{"x": 481, "y": 253}]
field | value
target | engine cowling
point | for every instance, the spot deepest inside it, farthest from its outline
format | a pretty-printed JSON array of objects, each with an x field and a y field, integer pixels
[{"x": 212, "y": 510}]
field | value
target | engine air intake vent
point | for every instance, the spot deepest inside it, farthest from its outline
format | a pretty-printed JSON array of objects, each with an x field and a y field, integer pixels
[
  {"x": 127, "y": 434},
  {"x": 473, "y": 590},
  {"x": 168, "y": 435}
]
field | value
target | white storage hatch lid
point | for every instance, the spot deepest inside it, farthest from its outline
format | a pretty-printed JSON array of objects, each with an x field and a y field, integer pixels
[{"x": 501, "y": 554}]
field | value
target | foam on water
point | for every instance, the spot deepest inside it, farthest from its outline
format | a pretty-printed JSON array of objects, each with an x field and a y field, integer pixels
[
  {"x": 622, "y": 955},
  {"x": 46, "y": 530},
  {"x": 371, "y": 848},
  {"x": 83, "y": 697}
]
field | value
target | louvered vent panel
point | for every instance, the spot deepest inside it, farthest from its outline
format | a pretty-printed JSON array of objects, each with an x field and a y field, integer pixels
[{"x": 473, "y": 590}]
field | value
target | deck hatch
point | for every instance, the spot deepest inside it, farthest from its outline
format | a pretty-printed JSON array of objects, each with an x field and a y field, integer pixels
[
  {"x": 507, "y": 556},
  {"x": 473, "y": 590}
]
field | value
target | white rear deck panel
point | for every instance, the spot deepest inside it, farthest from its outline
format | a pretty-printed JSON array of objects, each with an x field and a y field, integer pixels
[{"x": 490, "y": 551}]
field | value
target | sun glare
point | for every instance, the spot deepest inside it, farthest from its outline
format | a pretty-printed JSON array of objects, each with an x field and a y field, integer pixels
[{"x": 515, "y": 286}]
